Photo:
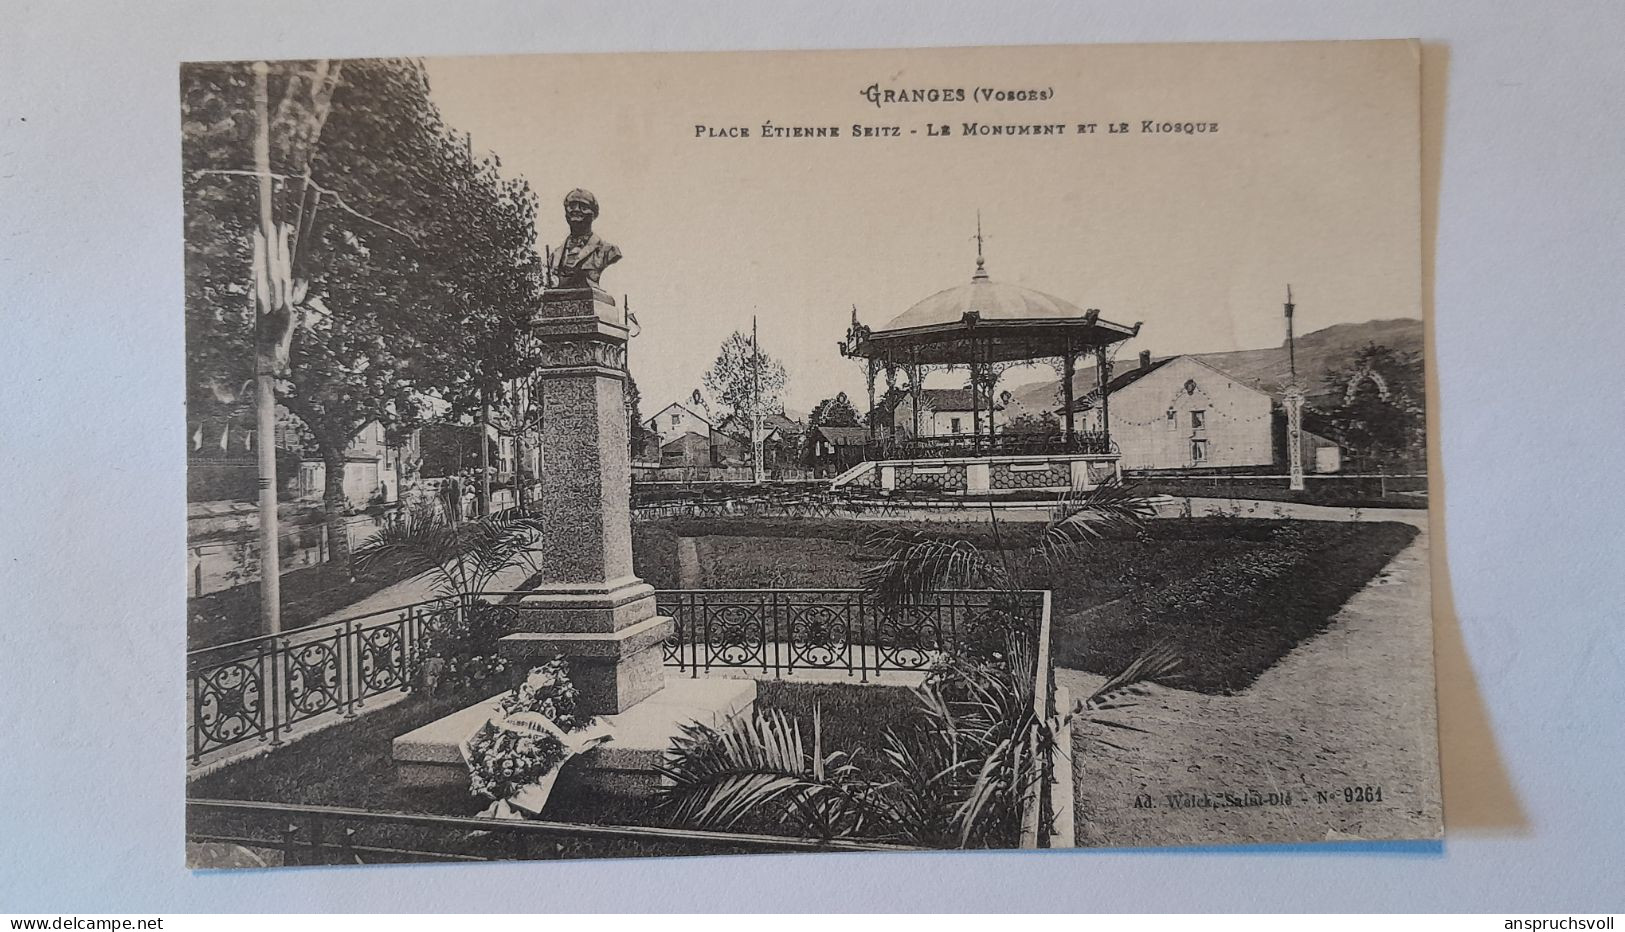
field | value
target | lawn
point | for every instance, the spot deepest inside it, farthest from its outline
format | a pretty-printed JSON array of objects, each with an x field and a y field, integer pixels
[
  {"x": 1232, "y": 596},
  {"x": 308, "y": 594},
  {"x": 350, "y": 765}
]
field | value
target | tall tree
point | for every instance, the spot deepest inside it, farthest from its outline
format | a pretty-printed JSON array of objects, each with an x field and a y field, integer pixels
[
  {"x": 885, "y": 413},
  {"x": 748, "y": 384},
  {"x": 1377, "y": 406},
  {"x": 831, "y": 412},
  {"x": 487, "y": 356},
  {"x": 401, "y": 237},
  {"x": 517, "y": 415}
]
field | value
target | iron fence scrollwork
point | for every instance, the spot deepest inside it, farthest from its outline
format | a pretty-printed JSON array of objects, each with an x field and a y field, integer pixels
[
  {"x": 780, "y": 631},
  {"x": 260, "y": 688},
  {"x": 257, "y": 689}
]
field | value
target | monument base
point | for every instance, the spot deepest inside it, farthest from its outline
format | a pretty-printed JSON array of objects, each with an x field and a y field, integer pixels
[
  {"x": 594, "y": 608},
  {"x": 612, "y": 671},
  {"x": 431, "y": 756}
]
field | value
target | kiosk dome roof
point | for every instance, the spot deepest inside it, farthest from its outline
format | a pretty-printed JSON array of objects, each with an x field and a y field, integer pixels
[
  {"x": 985, "y": 321},
  {"x": 987, "y": 299}
]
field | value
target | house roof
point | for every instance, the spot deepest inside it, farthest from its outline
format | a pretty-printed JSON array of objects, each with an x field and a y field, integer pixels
[
  {"x": 681, "y": 407},
  {"x": 774, "y": 421},
  {"x": 845, "y": 436},
  {"x": 1138, "y": 372},
  {"x": 1120, "y": 382},
  {"x": 948, "y": 399},
  {"x": 688, "y": 438}
]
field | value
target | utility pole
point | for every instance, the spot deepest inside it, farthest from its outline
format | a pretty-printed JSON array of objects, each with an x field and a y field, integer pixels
[
  {"x": 265, "y": 372},
  {"x": 758, "y": 475},
  {"x": 485, "y": 401},
  {"x": 633, "y": 328}
]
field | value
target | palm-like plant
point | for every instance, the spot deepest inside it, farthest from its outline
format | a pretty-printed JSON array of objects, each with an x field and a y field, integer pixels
[
  {"x": 459, "y": 640},
  {"x": 462, "y": 557},
  {"x": 758, "y": 766},
  {"x": 959, "y": 775},
  {"x": 956, "y": 777},
  {"x": 914, "y": 564}
]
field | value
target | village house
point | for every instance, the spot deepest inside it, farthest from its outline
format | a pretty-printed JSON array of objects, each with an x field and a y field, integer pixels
[
  {"x": 689, "y": 440},
  {"x": 222, "y": 473},
  {"x": 1179, "y": 413},
  {"x": 944, "y": 412},
  {"x": 683, "y": 436},
  {"x": 837, "y": 449},
  {"x": 781, "y": 440}
]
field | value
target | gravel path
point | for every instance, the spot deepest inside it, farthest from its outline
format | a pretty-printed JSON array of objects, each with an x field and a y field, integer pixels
[{"x": 1301, "y": 755}]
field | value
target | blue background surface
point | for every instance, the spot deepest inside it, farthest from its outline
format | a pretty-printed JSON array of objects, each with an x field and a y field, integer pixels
[{"x": 1524, "y": 236}]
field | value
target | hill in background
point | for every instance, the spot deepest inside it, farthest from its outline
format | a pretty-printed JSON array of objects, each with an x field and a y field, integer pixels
[{"x": 1319, "y": 353}]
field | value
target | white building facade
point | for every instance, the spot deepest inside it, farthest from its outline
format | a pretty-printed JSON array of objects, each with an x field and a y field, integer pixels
[{"x": 1179, "y": 413}]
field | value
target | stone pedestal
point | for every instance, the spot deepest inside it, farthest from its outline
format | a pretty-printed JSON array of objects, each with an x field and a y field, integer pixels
[
  {"x": 431, "y": 756},
  {"x": 590, "y": 607}
]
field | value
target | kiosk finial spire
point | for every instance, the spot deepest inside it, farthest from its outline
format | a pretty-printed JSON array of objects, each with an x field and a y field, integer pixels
[{"x": 981, "y": 263}]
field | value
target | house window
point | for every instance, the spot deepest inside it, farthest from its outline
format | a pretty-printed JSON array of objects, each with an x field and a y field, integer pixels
[
  {"x": 1173, "y": 419},
  {"x": 676, "y": 419},
  {"x": 1198, "y": 451},
  {"x": 953, "y": 425},
  {"x": 1198, "y": 420}
]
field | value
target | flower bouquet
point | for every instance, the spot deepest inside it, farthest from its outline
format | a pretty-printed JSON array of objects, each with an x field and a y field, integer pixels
[{"x": 514, "y": 758}]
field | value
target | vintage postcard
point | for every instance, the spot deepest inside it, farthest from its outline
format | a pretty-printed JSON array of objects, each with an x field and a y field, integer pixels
[{"x": 671, "y": 454}]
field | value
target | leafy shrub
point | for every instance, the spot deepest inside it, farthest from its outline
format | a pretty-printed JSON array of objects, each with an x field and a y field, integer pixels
[{"x": 458, "y": 652}]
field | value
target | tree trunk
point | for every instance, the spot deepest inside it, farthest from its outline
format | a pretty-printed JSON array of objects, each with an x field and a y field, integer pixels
[
  {"x": 264, "y": 385},
  {"x": 519, "y": 477},
  {"x": 334, "y": 505},
  {"x": 485, "y": 455}
]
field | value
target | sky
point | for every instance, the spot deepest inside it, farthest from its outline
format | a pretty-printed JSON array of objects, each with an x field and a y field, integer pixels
[{"x": 1312, "y": 178}]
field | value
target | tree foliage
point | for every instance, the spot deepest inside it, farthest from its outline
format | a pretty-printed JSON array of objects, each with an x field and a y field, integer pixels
[
  {"x": 419, "y": 258},
  {"x": 831, "y": 412},
  {"x": 1377, "y": 405},
  {"x": 1043, "y": 424},
  {"x": 637, "y": 432},
  {"x": 834, "y": 412},
  {"x": 885, "y": 413},
  {"x": 746, "y": 382}
]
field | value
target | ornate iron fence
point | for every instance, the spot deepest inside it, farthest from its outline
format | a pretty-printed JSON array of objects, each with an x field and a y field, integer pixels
[
  {"x": 962, "y": 445},
  {"x": 780, "y": 631},
  {"x": 259, "y": 689}
]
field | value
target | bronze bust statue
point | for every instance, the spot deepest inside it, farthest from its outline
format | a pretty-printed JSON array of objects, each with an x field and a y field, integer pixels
[{"x": 584, "y": 255}]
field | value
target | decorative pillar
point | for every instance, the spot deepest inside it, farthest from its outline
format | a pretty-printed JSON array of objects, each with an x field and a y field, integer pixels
[
  {"x": 590, "y": 607},
  {"x": 1294, "y": 404},
  {"x": 1294, "y": 435},
  {"x": 1103, "y": 377},
  {"x": 869, "y": 378},
  {"x": 975, "y": 402},
  {"x": 914, "y": 376},
  {"x": 1069, "y": 362}
]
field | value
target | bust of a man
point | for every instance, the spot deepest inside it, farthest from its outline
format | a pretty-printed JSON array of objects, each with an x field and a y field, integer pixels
[{"x": 584, "y": 255}]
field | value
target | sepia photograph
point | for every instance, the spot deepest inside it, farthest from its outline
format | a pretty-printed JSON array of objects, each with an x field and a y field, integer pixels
[{"x": 670, "y": 454}]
